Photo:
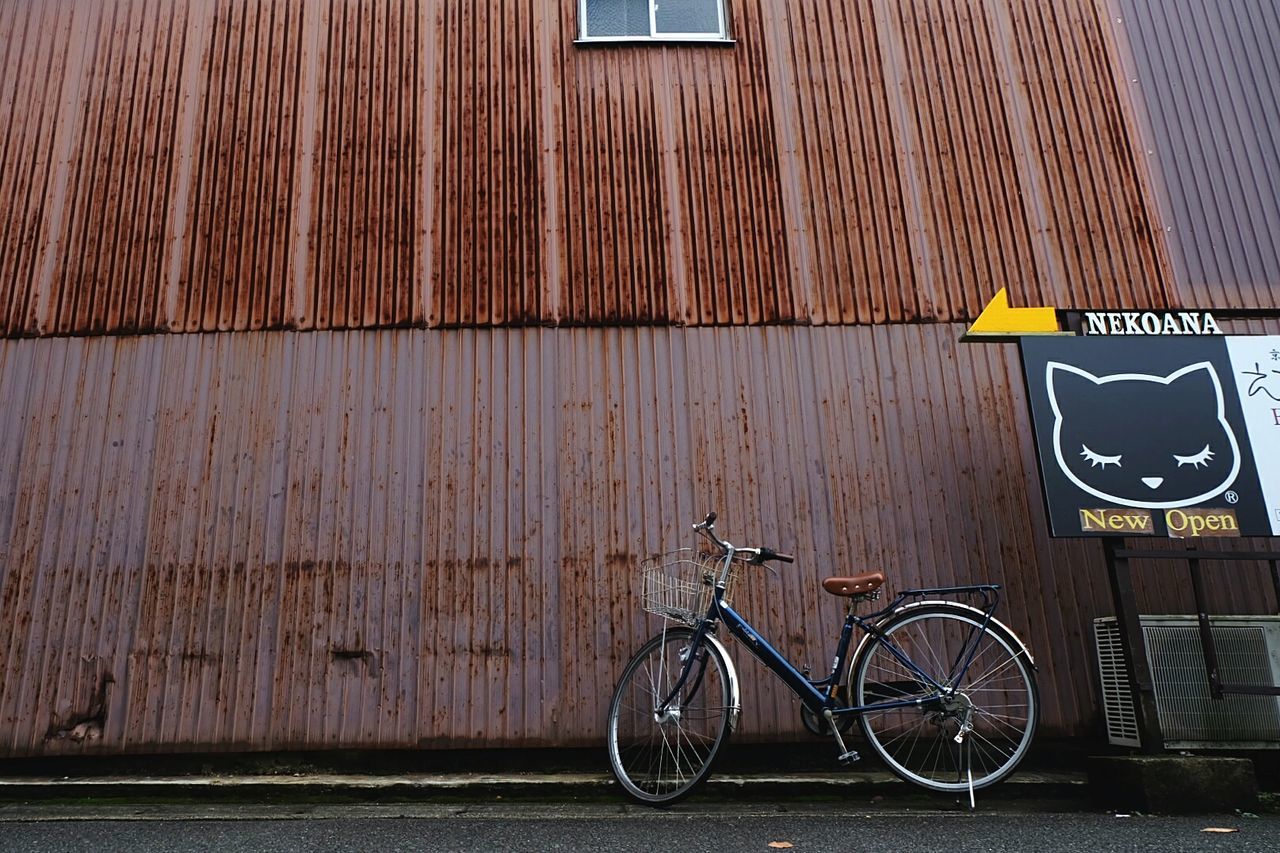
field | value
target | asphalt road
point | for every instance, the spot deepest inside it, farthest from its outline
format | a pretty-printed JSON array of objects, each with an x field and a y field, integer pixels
[{"x": 593, "y": 826}]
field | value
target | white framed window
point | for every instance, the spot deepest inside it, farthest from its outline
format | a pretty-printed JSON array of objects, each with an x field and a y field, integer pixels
[{"x": 661, "y": 20}]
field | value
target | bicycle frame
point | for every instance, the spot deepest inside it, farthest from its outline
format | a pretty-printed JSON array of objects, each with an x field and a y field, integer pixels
[{"x": 806, "y": 689}]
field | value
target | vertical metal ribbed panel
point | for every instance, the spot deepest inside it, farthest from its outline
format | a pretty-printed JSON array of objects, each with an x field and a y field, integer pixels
[
  {"x": 88, "y": 103},
  {"x": 1091, "y": 219},
  {"x": 673, "y": 182},
  {"x": 306, "y": 180},
  {"x": 32, "y": 37},
  {"x": 841, "y": 163},
  {"x": 946, "y": 150},
  {"x": 422, "y": 538},
  {"x": 599, "y": 185},
  {"x": 1206, "y": 86},
  {"x": 367, "y": 193},
  {"x": 199, "y": 165},
  {"x": 237, "y": 267},
  {"x": 491, "y": 132}
]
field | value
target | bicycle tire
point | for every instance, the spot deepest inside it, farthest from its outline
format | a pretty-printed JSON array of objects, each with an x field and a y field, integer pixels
[
  {"x": 660, "y": 759},
  {"x": 918, "y": 742}
]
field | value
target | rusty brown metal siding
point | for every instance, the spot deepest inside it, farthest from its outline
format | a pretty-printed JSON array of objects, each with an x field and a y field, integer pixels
[
  {"x": 199, "y": 165},
  {"x": 236, "y": 268},
  {"x": 491, "y": 138},
  {"x": 87, "y": 107},
  {"x": 192, "y": 165},
  {"x": 420, "y": 538},
  {"x": 1206, "y": 87},
  {"x": 426, "y": 537},
  {"x": 365, "y": 248},
  {"x": 960, "y": 148},
  {"x": 305, "y": 174}
]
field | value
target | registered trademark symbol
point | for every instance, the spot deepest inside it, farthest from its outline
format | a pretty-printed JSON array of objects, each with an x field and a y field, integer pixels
[{"x": 1232, "y": 498}]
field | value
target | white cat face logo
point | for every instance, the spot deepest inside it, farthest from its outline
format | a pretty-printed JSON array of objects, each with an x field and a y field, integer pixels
[{"x": 1149, "y": 442}]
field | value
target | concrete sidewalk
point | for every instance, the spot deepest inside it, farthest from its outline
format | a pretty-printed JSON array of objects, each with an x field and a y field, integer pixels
[{"x": 522, "y": 785}]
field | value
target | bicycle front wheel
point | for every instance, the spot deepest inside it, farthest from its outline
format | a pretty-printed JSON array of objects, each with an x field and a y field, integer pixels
[
  {"x": 660, "y": 754},
  {"x": 993, "y": 709}
]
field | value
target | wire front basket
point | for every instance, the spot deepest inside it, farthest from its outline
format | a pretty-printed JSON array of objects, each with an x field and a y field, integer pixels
[{"x": 678, "y": 585}]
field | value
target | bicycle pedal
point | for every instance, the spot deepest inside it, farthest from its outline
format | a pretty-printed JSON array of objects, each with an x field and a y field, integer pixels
[{"x": 849, "y": 757}]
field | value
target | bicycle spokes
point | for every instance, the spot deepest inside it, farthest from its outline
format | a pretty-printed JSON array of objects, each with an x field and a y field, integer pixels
[
  {"x": 669, "y": 718},
  {"x": 970, "y": 731}
]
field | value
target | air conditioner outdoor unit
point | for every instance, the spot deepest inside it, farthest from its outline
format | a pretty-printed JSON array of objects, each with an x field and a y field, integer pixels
[{"x": 1248, "y": 649}]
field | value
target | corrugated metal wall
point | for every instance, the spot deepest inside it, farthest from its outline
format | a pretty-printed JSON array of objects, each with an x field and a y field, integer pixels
[
  {"x": 277, "y": 539},
  {"x": 195, "y": 165},
  {"x": 1206, "y": 86},
  {"x": 429, "y": 538},
  {"x": 188, "y": 166}
]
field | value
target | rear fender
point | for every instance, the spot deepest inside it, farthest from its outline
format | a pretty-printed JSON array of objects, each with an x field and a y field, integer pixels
[{"x": 866, "y": 638}]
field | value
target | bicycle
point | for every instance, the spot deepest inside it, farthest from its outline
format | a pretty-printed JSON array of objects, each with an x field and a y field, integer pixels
[{"x": 944, "y": 693}]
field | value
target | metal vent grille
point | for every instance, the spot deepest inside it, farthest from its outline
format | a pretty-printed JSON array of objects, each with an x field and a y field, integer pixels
[
  {"x": 1248, "y": 653},
  {"x": 1187, "y": 711},
  {"x": 1122, "y": 722}
]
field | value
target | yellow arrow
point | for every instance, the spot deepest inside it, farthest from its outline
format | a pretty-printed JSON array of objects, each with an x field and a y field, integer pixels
[{"x": 998, "y": 320}]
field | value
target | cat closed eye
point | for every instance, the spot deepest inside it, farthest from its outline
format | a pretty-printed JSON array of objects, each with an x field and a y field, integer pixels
[
  {"x": 1197, "y": 460},
  {"x": 1098, "y": 459}
]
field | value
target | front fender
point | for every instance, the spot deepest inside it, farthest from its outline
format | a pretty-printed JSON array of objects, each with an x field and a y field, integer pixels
[{"x": 731, "y": 673}]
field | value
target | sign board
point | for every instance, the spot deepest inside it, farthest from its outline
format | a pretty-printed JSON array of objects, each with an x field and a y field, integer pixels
[{"x": 1157, "y": 436}]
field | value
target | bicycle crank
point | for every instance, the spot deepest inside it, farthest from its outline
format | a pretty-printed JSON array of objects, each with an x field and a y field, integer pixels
[{"x": 847, "y": 756}]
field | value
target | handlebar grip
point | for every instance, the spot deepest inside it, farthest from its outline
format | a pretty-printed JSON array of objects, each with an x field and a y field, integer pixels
[
  {"x": 770, "y": 554},
  {"x": 786, "y": 558}
]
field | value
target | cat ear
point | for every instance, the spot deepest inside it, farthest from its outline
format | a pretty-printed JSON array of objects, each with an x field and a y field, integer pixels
[
  {"x": 1197, "y": 381},
  {"x": 1068, "y": 382}
]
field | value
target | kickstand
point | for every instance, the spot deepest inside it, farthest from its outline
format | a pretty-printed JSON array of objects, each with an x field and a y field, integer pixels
[
  {"x": 965, "y": 756},
  {"x": 968, "y": 769}
]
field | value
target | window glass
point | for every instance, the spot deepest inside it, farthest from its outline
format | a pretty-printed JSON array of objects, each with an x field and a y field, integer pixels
[
  {"x": 617, "y": 18},
  {"x": 641, "y": 19},
  {"x": 687, "y": 16}
]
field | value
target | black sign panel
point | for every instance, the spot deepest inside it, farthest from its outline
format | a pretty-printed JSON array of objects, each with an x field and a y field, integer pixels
[{"x": 1160, "y": 437}]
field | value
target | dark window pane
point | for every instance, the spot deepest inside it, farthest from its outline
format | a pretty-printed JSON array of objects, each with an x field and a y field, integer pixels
[
  {"x": 617, "y": 18},
  {"x": 688, "y": 16}
]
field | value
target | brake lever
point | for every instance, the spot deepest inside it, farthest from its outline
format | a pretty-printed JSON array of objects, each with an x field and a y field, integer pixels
[
  {"x": 770, "y": 554},
  {"x": 761, "y": 558}
]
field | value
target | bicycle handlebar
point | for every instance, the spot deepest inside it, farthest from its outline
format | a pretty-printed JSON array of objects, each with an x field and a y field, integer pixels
[{"x": 707, "y": 528}]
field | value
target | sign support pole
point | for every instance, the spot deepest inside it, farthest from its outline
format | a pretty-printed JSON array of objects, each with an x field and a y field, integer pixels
[
  {"x": 1137, "y": 670},
  {"x": 1193, "y": 556},
  {"x": 1275, "y": 581},
  {"x": 1206, "y": 631}
]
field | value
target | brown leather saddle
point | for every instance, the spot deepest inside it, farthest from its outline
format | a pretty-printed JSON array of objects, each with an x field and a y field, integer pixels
[{"x": 855, "y": 586}]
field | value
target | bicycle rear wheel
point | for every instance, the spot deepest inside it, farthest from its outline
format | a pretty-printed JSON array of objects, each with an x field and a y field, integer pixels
[
  {"x": 996, "y": 695},
  {"x": 660, "y": 755}
]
